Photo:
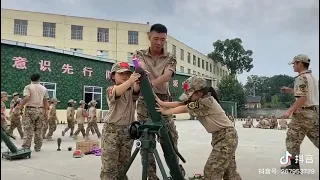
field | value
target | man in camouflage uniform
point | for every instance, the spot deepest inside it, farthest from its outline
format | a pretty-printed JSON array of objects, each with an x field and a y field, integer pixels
[
  {"x": 305, "y": 111},
  {"x": 160, "y": 66},
  {"x": 70, "y": 117},
  {"x": 263, "y": 123},
  {"x": 52, "y": 119},
  {"x": 15, "y": 118},
  {"x": 14, "y": 100},
  {"x": 36, "y": 101},
  {"x": 4, "y": 98},
  {"x": 273, "y": 121}
]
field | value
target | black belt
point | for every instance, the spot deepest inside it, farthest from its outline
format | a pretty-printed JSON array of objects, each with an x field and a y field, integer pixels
[
  {"x": 310, "y": 107},
  {"x": 34, "y": 107}
]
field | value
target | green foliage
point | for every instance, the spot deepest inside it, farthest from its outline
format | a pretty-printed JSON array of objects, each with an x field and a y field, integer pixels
[
  {"x": 269, "y": 89},
  {"x": 232, "y": 54},
  {"x": 230, "y": 89}
]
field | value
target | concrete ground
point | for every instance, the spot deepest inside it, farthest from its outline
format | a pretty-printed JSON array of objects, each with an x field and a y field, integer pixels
[{"x": 259, "y": 150}]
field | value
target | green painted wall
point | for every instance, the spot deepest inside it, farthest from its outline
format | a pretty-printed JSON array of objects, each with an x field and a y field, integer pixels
[{"x": 69, "y": 86}]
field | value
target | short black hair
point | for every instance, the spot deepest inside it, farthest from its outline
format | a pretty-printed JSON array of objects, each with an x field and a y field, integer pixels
[
  {"x": 159, "y": 28},
  {"x": 306, "y": 65},
  {"x": 35, "y": 77}
]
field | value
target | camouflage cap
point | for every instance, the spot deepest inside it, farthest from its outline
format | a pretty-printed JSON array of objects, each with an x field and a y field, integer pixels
[
  {"x": 300, "y": 58},
  {"x": 93, "y": 102},
  {"x": 120, "y": 67},
  {"x": 82, "y": 102},
  {"x": 4, "y": 94},
  {"x": 54, "y": 100},
  {"x": 15, "y": 94},
  {"x": 191, "y": 85},
  {"x": 72, "y": 101}
]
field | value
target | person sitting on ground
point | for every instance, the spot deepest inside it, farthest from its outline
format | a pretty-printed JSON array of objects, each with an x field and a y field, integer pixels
[{"x": 248, "y": 123}]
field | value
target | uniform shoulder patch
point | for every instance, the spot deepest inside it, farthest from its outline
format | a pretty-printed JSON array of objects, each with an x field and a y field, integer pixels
[
  {"x": 110, "y": 90},
  {"x": 193, "y": 105},
  {"x": 303, "y": 87}
]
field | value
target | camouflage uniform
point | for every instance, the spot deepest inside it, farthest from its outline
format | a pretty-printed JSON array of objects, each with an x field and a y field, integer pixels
[
  {"x": 33, "y": 116},
  {"x": 221, "y": 163},
  {"x": 4, "y": 96},
  {"x": 249, "y": 123},
  {"x": 283, "y": 124},
  {"x": 156, "y": 67},
  {"x": 52, "y": 120},
  {"x": 80, "y": 117},
  {"x": 305, "y": 120},
  {"x": 116, "y": 141},
  {"x": 263, "y": 124},
  {"x": 15, "y": 118},
  {"x": 92, "y": 119},
  {"x": 273, "y": 122},
  {"x": 70, "y": 118}
]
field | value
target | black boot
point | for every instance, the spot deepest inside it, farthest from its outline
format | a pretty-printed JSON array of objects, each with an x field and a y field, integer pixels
[{"x": 293, "y": 168}]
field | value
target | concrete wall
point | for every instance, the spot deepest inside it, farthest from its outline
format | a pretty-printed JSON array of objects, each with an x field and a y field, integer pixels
[{"x": 255, "y": 113}]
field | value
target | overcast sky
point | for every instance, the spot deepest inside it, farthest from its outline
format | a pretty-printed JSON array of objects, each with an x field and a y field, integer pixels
[{"x": 275, "y": 30}]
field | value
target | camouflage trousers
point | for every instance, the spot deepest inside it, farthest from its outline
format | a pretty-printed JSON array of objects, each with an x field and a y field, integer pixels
[
  {"x": 16, "y": 123},
  {"x": 80, "y": 129},
  {"x": 32, "y": 121},
  {"x": 116, "y": 150},
  {"x": 4, "y": 126},
  {"x": 52, "y": 123},
  {"x": 143, "y": 116},
  {"x": 70, "y": 126},
  {"x": 305, "y": 122},
  {"x": 93, "y": 125},
  {"x": 221, "y": 163}
]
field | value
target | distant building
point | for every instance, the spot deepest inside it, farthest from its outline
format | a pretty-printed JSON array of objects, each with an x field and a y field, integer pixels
[
  {"x": 112, "y": 40},
  {"x": 253, "y": 102}
]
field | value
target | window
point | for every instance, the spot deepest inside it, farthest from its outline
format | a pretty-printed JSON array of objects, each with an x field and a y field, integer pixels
[
  {"x": 93, "y": 93},
  {"x": 133, "y": 37},
  {"x": 194, "y": 72},
  {"x": 207, "y": 66},
  {"x": 210, "y": 67},
  {"x": 198, "y": 73},
  {"x": 181, "y": 69},
  {"x": 199, "y": 62},
  {"x": 103, "y": 54},
  {"x": 182, "y": 54},
  {"x": 189, "y": 58},
  {"x": 49, "y": 29},
  {"x": 189, "y": 71},
  {"x": 76, "y": 50},
  {"x": 202, "y": 65},
  {"x": 194, "y": 60},
  {"x": 103, "y": 35},
  {"x": 214, "y": 69},
  {"x": 51, "y": 88},
  {"x": 129, "y": 57},
  {"x": 174, "y": 50},
  {"x": 20, "y": 27},
  {"x": 76, "y": 32}
]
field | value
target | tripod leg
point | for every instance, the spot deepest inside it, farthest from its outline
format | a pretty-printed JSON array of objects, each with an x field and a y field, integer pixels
[
  {"x": 122, "y": 173},
  {"x": 163, "y": 172},
  {"x": 145, "y": 163}
]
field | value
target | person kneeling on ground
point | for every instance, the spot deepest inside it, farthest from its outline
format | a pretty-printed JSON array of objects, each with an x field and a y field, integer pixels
[
  {"x": 263, "y": 123},
  {"x": 203, "y": 102}
]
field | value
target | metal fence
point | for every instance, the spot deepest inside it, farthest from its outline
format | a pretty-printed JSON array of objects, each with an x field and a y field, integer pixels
[{"x": 229, "y": 107}]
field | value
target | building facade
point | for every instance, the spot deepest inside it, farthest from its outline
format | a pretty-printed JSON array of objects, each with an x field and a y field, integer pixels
[{"x": 108, "y": 40}]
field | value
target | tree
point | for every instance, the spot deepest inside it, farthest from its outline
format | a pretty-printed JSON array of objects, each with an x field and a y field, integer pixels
[
  {"x": 232, "y": 54},
  {"x": 230, "y": 89},
  {"x": 269, "y": 89}
]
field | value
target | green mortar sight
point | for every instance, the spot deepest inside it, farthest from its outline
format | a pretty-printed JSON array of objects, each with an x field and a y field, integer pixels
[
  {"x": 14, "y": 152},
  {"x": 145, "y": 133}
]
